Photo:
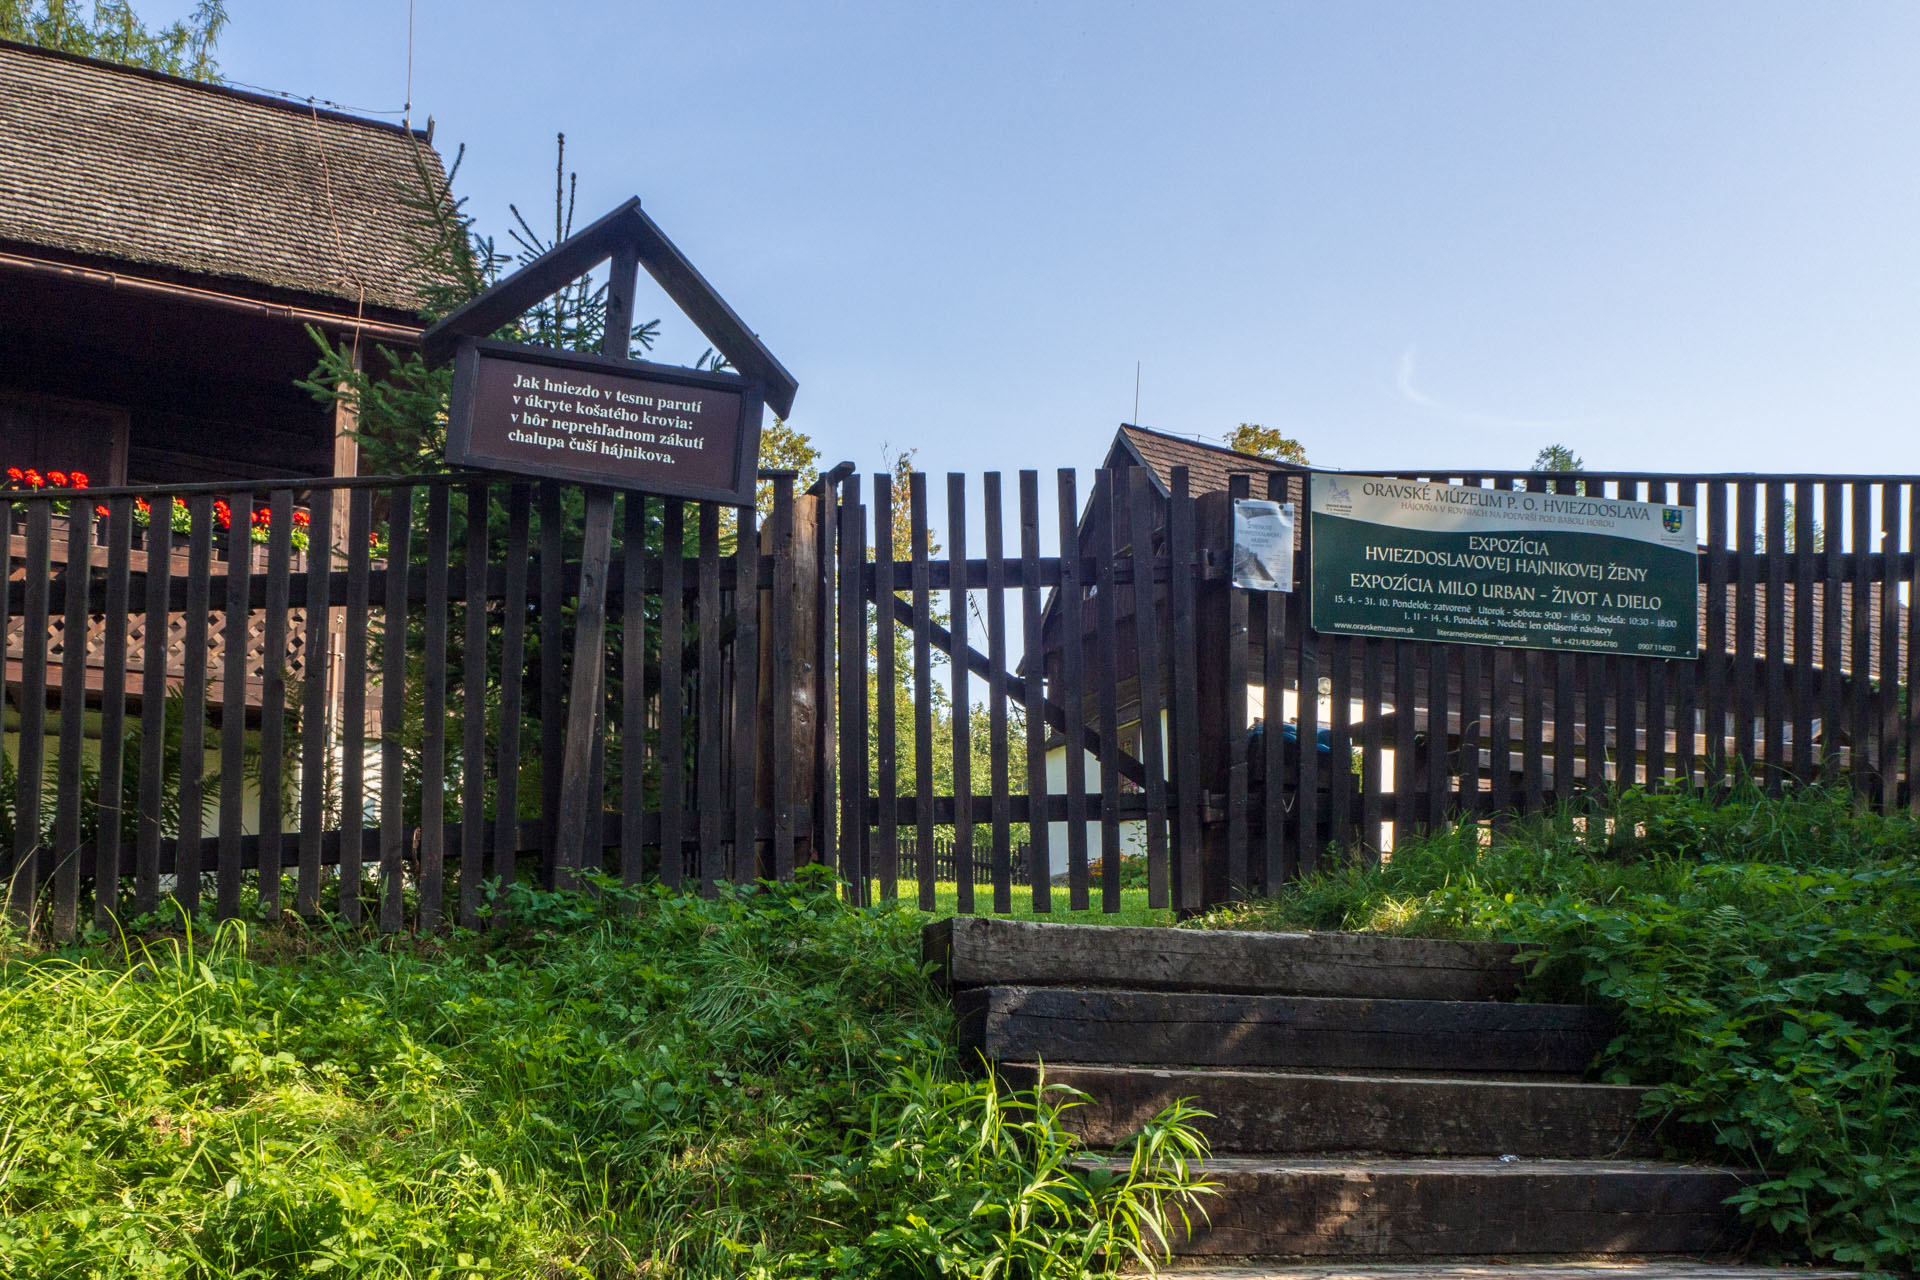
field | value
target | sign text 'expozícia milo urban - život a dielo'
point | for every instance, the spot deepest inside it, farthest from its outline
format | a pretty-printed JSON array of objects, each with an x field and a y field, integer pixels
[{"x": 1460, "y": 564}]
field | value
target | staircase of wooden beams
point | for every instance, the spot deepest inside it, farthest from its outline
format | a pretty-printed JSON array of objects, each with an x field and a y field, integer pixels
[{"x": 1377, "y": 1099}]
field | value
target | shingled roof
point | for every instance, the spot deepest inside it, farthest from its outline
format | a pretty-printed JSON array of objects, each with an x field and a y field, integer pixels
[
  {"x": 1208, "y": 465},
  {"x": 117, "y": 163},
  {"x": 1817, "y": 607}
]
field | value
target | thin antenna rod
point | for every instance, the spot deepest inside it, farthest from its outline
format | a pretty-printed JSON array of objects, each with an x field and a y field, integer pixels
[
  {"x": 407, "y": 111},
  {"x": 1136, "y": 393}
]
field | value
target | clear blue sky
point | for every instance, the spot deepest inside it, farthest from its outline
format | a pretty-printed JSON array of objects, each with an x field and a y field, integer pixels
[{"x": 1668, "y": 235}]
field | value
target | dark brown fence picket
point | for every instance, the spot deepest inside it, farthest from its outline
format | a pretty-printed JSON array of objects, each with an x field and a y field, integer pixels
[
  {"x": 393, "y": 701},
  {"x": 29, "y": 757},
  {"x": 1238, "y": 871},
  {"x": 1038, "y": 835},
  {"x": 1150, "y": 622},
  {"x": 1279, "y": 841},
  {"x": 236, "y": 611},
  {"x": 109, "y": 848},
  {"x": 853, "y": 844},
  {"x": 708, "y": 702},
  {"x": 1068, "y": 688},
  {"x": 1106, "y": 678},
  {"x": 1860, "y": 706},
  {"x": 633, "y": 687},
  {"x": 433, "y": 742},
  {"x": 353, "y": 703},
  {"x": 999, "y": 726},
  {"x": 921, "y": 579},
  {"x": 1887, "y": 671},
  {"x": 1912, "y": 755},
  {"x": 960, "y": 699},
  {"x": 315, "y": 745},
  {"x": 274, "y": 628},
  {"x": 193, "y": 724},
  {"x": 73, "y": 692},
  {"x": 549, "y": 713},
  {"x": 1774, "y": 643},
  {"x": 743, "y": 691},
  {"x": 1189, "y": 795}
]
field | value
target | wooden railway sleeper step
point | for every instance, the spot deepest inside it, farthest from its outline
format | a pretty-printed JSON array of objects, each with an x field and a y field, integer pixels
[
  {"x": 1492, "y": 1269},
  {"x": 1361, "y": 1207},
  {"x": 1182, "y": 1029},
  {"x": 970, "y": 951},
  {"x": 1300, "y": 1113}
]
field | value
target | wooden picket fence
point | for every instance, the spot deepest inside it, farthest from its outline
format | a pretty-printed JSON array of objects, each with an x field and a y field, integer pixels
[
  {"x": 376, "y": 726},
  {"x": 411, "y": 753},
  {"x": 1808, "y": 649}
]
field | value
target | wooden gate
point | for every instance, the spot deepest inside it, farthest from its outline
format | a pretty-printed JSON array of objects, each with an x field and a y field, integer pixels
[{"x": 1279, "y": 746}]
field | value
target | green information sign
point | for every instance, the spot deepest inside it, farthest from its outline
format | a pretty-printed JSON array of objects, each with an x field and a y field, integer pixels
[{"x": 1466, "y": 565}]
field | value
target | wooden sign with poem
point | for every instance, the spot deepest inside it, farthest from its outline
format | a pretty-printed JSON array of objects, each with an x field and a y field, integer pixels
[{"x": 594, "y": 420}]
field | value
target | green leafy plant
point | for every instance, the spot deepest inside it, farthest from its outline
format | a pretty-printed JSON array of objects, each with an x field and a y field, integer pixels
[
  {"x": 612, "y": 1083},
  {"x": 115, "y": 32},
  {"x": 1762, "y": 958},
  {"x": 971, "y": 1179}
]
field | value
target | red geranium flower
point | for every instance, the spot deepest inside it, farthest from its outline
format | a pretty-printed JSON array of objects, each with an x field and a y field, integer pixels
[
  {"x": 56, "y": 479},
  {"x": 78, "y": 479},
  {"x": 33, "y": 479},
  {"x": 302, "y": 519},
  {"x": 101, "y": 510},
  {"x": 16, "y": 475}
]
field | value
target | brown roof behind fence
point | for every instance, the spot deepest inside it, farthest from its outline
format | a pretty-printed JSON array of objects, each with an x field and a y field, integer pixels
[
  {"x": 135, "y": 166},
  {"x": 1208, "y": 465},
  {"x": 1788, "y": 601}
]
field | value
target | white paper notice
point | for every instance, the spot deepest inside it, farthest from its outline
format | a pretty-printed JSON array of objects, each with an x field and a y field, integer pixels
[{"x": 1263, "y": 545}]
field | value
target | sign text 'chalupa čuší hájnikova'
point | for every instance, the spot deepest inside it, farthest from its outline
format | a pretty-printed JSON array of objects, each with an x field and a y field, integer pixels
[{"x": 1420, "y": 561}]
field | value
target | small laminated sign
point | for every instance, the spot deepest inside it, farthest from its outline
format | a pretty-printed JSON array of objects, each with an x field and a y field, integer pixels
[{"x": 1263, "y": 544}]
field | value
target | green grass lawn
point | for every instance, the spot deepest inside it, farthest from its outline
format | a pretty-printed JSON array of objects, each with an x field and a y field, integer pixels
[{"x": 627, "y": 1085}]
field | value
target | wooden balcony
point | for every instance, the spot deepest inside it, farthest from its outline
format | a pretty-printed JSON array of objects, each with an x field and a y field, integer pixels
[{"x": 218, "y": 626}]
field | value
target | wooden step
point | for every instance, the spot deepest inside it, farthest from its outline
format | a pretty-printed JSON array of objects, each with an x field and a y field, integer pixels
[
  {"x": 1180, "y": 1029},
  {"x": 1275, "y": 1206},
  {"x": 1584, "y": 1269},
  {"x": 973, "y": 951},
  {"x": 1297, "y": 1113}
]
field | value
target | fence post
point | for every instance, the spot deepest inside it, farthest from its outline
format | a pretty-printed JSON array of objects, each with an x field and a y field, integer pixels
[
  {"x": 798, "y": 621},
  {"x": 825, "y": 742},
  {"x": 1182, "y": 698},
  {"x": 1213, "y": 622},
  {"x": 853, "y": 697}
]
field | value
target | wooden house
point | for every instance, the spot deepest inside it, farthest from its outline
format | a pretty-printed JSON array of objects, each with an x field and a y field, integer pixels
[
  {"x": 167, "y": 250},
  {"x": 164, "y": 247}
]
